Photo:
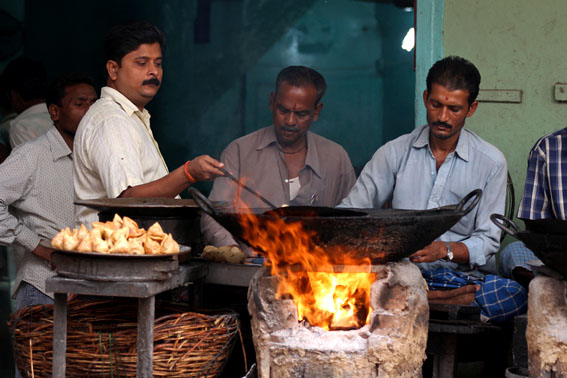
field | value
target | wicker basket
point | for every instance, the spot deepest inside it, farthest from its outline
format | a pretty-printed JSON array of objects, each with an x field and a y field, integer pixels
[{"x": 101, "y": 340}]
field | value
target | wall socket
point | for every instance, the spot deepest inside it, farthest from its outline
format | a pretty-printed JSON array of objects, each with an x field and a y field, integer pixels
[{"x": 561, "y": 92}]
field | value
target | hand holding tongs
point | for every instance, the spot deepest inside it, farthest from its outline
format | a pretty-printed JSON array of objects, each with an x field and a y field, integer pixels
[{"x": 239, "y": 183}]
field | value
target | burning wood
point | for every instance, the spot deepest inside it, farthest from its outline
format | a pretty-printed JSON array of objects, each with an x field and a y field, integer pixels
[
  {"x": 392, "y": 344},
  {"x": 323, "y": 297}
]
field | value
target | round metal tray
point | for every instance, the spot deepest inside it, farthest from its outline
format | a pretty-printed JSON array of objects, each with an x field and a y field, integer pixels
[{"x": 183, "y": 249}]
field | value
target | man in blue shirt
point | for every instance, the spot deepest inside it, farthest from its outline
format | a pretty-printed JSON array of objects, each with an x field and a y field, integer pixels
[
  {"x": 545, "y": 197},
  {"x": 436, "y": 165}
]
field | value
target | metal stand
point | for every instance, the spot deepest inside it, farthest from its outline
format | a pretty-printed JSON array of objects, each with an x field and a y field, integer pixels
[{"x": 145, "y": 291}]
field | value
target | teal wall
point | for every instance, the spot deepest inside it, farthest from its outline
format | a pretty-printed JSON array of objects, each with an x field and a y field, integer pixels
[{"x": 216, "y": 91}]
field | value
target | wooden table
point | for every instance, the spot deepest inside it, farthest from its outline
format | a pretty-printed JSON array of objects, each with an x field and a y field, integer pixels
[
  {"x": 145, "y": 291},
  {"x": 447, "y": 324}
]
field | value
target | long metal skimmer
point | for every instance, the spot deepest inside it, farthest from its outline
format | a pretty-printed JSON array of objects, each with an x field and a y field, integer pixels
[{"x": 237, "y": 181}]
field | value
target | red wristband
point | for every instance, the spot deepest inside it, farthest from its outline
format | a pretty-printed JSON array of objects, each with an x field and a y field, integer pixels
[{"x": 191, "y": 179}]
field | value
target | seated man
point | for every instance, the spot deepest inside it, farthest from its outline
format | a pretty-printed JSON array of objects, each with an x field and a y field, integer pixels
[
  {"x": 545, "y": 195},
  {"x": 437, "y": 165},
  {"x": 285, "y": 162},
  {"x": 36, "y": 190}
]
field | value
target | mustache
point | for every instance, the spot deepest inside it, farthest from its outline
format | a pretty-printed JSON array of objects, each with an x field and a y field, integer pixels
[
  {"x": 440, "y": 123},
  {"x": 152, "y": 81},
  {"x": 287, "y": 128}
]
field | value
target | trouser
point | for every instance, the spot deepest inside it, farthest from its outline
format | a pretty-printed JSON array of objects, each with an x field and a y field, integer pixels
[
  {"x": 515, "y": 255},
  {"x": 28, "y": 295}
]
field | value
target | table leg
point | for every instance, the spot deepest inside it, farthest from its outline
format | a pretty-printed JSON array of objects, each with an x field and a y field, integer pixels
[
  {"x": 196, "y": 293},
  {"x": 59, "y": 335},
  {"x": 145, "y": 342},
  {"x": 444, "y": 363}
]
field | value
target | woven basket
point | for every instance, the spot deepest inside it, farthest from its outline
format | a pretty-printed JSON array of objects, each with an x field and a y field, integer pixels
[{"x": 101, "y": 340}]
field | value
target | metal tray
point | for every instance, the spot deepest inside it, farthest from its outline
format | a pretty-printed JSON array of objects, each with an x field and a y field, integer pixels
[
  {"x": 183, "y": 249},
  {"x": 117, "y": 267}
]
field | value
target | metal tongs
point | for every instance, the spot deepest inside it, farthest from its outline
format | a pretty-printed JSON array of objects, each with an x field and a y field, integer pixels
[{"x": 239, "y": 183}]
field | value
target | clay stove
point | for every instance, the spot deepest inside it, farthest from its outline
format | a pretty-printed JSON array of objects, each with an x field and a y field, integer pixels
[
  {"x": 547, "y": 323},
  {"x": 391, "y": 344},
  {"x": 325, "y": 311}
]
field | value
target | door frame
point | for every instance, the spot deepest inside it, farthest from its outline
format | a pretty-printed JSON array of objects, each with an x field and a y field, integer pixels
[{"x": 428, "y": 48}]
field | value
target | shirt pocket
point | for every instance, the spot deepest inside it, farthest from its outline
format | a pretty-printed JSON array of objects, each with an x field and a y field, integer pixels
[{"x": 465, "y": 226}]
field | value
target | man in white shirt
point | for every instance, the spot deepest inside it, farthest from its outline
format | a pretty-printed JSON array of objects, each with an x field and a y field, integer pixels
[
  {"x": 116, "y": 154},
  {"x": 26, "y": 81}
]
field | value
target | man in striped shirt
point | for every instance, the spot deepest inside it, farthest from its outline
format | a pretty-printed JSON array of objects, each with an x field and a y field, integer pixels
[
  {"x": 545, "y": 197},
  {"x": 115, "y": 152}
]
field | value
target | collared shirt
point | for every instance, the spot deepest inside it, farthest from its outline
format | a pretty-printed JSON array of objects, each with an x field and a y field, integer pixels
[
  {"x": 545, "y": 191},
  {"x": 114, "y": 149},
  {"x": 36, "y": 202},
  {"x": 404, "y": 172},
  {"x": 257, "y": 160},
  {"x": 29, "y": 124}
]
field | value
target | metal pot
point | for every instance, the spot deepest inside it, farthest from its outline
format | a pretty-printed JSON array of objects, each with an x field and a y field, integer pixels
[
  {"x": 550, "y": 248},
  {"x": 379, "y": 234},
  {"x": 180, "y": 217}
]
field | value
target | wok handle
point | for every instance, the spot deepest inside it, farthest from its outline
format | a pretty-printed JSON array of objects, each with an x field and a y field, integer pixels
[
  {"x": 475, "y": 196},
  {"x": 495, "y": 218},
  {"x": 203, "y": 202}
]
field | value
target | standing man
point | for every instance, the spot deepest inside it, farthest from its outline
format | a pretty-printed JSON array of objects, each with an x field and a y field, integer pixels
[
  {"x": 116, "y": 154},
  {"x": 437, "y": 165},
  {"x": 36, "y": 190},
  {"x": 26, "y": 81},
  {"x": 285, "y": 162},
  {"x": 545, "y": 198}
]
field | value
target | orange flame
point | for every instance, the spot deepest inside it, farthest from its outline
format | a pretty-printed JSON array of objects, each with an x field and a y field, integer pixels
[{"x": 332, "y": 293}]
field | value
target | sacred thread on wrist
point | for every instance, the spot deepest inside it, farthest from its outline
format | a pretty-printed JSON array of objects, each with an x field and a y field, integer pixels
[{"x": 185, "y": 168}]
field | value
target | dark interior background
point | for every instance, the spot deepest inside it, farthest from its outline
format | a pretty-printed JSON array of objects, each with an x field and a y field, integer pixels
[{"x": 223, "y": 55}]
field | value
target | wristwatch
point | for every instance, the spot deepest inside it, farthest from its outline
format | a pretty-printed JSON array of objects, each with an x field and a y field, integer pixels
[{"x": 449, "y": 256}]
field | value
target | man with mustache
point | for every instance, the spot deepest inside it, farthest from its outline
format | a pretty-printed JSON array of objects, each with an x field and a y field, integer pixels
[
  {"x": 116, "y": 154},
  {"x": 437, "y": 165},
  {"x": 285, "y": 162}
]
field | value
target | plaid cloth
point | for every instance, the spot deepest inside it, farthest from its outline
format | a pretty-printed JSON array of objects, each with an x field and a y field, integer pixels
[
  {"x": 500, "y": 299},
  {"x": 444, "y": 278},
  {"x": 514, "y": 255},
  {"x": 545, "y": 191}
]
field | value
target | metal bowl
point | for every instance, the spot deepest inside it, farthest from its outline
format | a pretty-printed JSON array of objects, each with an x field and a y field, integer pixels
[
  {"x": 379, "y": 234},
  {"x": 550, "y": 248}
]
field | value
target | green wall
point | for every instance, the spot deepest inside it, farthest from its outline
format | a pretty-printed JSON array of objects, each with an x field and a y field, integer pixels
[{"x": 516, "y": 44}]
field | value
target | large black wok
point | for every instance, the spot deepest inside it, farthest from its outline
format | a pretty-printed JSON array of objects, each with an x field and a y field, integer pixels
[
  {"x": 379, "y": 234},
  {"x": 549, "y": 247}
]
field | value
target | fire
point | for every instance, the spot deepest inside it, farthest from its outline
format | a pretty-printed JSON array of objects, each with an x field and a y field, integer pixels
[{"x": 329, "y": 291}]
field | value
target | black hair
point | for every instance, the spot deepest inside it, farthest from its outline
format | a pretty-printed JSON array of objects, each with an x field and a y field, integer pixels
[
  {"x": 122, "y": 39},
  {"x": 301, "y": 76},
  {"x": 27, "y": 77},
  {"x": 58, "y": 87},
  {"x": 454, "y": 72}
]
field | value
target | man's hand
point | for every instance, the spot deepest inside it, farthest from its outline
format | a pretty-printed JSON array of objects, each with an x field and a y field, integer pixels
[
  {"x": 44, "y": 253},
  {"x": 433, "y": 252},
  {"x": 462, "y": 296},
  {"x": 204, "y": 168}
]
